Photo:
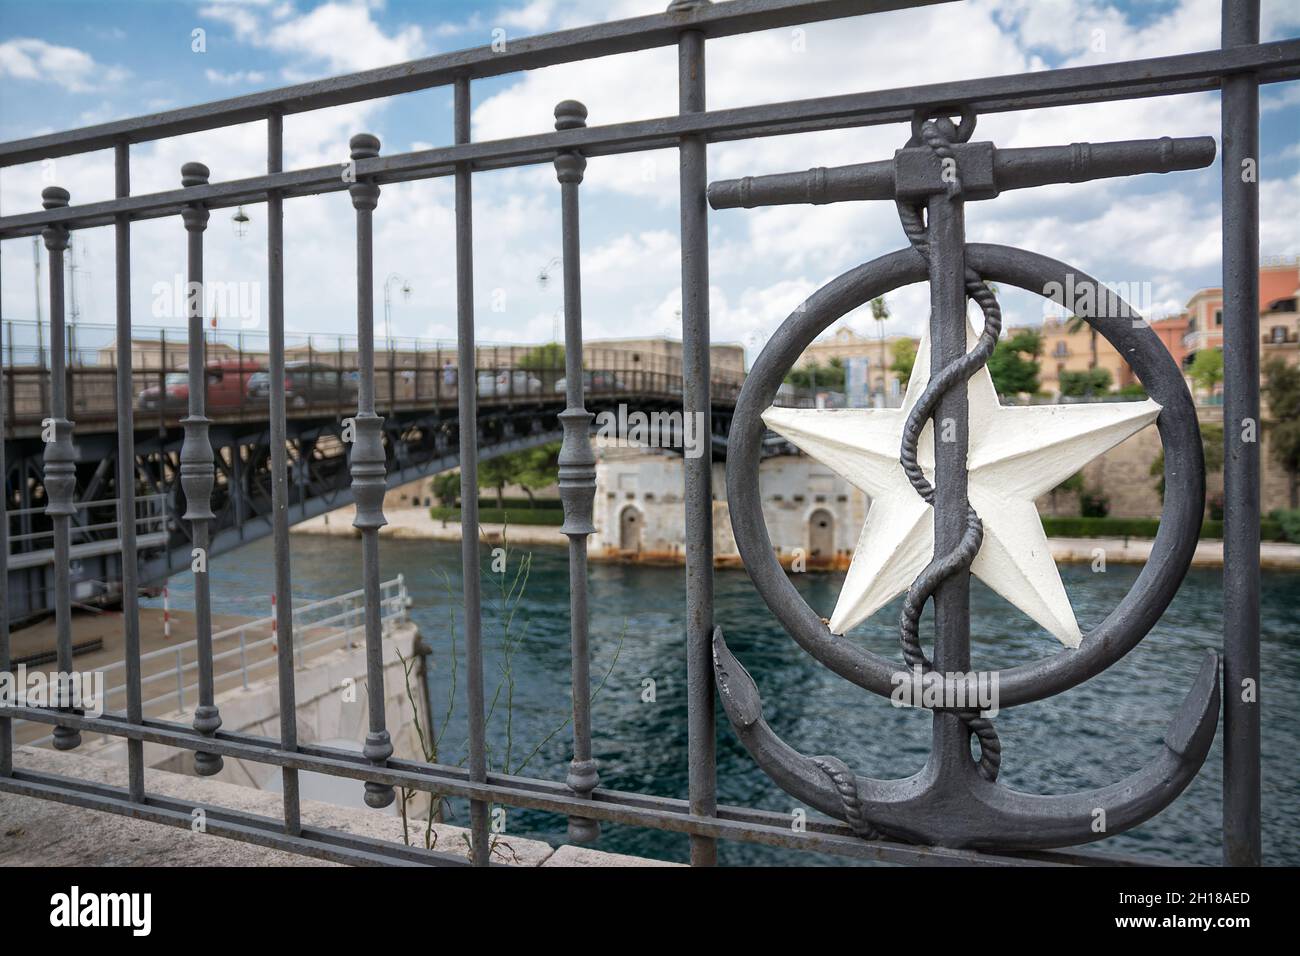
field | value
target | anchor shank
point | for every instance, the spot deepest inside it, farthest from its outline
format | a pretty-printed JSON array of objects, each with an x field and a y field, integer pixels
[{"x": 947, "y": 240}]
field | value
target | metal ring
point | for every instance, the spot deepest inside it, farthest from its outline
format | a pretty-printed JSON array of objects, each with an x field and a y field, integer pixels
[
  {"x": 965, "y": 125},
  {"x": 1180, "y": 520}
]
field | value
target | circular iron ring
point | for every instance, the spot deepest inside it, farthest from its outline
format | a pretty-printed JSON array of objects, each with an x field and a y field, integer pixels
[{"x": 1180, "y": 519}]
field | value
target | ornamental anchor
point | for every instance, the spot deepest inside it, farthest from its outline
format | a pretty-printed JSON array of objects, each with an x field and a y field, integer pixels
[{"x": 943, "y": 510}]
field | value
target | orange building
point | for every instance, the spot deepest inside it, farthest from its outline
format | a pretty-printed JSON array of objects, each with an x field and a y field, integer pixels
[{"x": 1279, "y": 280}]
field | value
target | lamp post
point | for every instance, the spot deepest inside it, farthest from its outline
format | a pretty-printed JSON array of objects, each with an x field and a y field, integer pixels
[{"x": 388, "y": 298}]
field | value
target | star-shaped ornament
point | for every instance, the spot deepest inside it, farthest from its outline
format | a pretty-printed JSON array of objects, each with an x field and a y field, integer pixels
[{"x": 1015, "y": 455}]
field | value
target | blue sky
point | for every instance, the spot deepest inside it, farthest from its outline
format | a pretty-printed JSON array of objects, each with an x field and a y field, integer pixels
[{"x": 67, "y": 64}]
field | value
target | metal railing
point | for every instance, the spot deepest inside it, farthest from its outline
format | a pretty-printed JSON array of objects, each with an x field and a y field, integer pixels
[
  {"x": 322, "y": 376},
  {"x": 239, "y": 653},
  {"x": 1238, "y": 68},
  {"x": 95, "y": 527}
]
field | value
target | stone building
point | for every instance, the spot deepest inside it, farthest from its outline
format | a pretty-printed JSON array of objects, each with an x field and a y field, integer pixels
[{"x": 812, "y": 514}]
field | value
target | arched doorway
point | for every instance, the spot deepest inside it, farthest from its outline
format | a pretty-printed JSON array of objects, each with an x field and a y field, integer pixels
[
  {"x": 629, "y": 530},
  {"x": 821, "y": 537}
]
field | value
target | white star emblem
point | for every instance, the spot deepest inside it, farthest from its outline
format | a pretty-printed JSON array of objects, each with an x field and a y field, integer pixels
[{"x": 1015, "y": 455}]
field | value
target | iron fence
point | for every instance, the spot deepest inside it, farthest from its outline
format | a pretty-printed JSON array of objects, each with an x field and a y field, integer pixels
[{"x": 1237, "y": 69}]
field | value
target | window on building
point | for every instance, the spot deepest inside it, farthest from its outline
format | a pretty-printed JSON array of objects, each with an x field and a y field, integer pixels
[
  {"x": 1218, "y": 318},
  {"x": 1062, "y": 348}
]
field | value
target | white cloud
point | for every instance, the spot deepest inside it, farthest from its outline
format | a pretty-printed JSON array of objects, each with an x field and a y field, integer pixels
[
  {"x": 27, "y": 58},
  {"x": 234, "y": 77}
]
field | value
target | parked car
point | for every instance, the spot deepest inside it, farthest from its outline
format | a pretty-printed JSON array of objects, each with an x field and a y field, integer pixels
[
  {"x": 601, "y": 380},
  {"x": 307, "y": 383},
  {"x": 227, "y": 387},
  {"x": 508, "y": 382}
]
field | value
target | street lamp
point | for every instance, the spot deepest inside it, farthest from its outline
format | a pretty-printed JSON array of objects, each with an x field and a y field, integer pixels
[
  {"x": 388, "y": 298},
  {"x": 241, "y": 220}
]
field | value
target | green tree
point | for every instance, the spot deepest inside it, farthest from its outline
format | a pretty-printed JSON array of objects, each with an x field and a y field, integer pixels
[
  {"x": 497, "y": 473},
  {"x": 1211, "y": 448},
  {"x": 446, "y": 488},
  {"x": 1206, "y": 370},
  {"x": 1081, "y": 384},
  {"x": 904, "y": 358},
  {"x": 540, "y": 357},
  {"x": 1014, "y": 363},
  {"x": 538, "y": 468},
  {"x": 813, "y": 375},
  {"x": 1282, "y": 393}
]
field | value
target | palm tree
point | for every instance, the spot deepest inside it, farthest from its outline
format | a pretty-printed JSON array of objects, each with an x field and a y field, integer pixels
[
  {"x": 880, "y": 312},
  {"x": 1073, "y": 325}
]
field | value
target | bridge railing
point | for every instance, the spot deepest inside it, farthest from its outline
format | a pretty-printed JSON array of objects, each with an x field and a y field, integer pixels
[
  {"x": 246, "y": 652},
  {"x": 321, "y": 378},
  {"x": 687, "y": 27}
]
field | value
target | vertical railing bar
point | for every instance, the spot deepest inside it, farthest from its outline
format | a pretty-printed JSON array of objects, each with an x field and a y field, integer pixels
[
  {"x": 198, "y": 467},
  {"x": 1241, "y": 435},
  {"x": 368, "y": 470},
  {"x": 467, "y": 398},
  {"x": 577, "y": 472},
  {"x": 60, "y": 472},
  {"x": 6, "y": 378},
  {"x": 126, "y": 476},
  {"x": 279, "y": 474},
  {"x": 702, "y": 771}
]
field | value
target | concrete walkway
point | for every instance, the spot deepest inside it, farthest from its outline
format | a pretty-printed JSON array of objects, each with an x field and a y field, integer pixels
[{"x": 42, "y": 833}]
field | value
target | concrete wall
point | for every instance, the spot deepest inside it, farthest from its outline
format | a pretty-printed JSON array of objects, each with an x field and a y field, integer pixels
[{"x": 324, "y": 713}]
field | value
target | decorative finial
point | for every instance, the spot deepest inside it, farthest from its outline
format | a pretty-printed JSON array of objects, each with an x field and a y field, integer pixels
[
  {"x": 54, "y": 197},
  {"x": 194, "y": 174},
  {"x": 364, "y": 146},
  {"x": 570, "y": 114}
]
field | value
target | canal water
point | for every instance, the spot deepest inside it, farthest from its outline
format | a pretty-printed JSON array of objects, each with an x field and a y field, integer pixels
[{"x": 1087, "y": 737}]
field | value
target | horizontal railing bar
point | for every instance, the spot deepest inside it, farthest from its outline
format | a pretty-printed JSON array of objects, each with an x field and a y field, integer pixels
[
  {"x": 1181, "y": 73},
  {"x": 525, "y": 53},
  {"x": 324, "y": 844},
  {"x": 616, "y": 807}
]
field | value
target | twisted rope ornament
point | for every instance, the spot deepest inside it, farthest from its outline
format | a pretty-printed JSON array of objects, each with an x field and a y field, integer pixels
[
  {"x": 846, "y": 785},
  {"x": 938, "y": 136}
]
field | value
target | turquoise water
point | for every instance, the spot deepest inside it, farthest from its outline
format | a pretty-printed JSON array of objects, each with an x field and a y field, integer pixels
[{"x": 1087, "y": 737}]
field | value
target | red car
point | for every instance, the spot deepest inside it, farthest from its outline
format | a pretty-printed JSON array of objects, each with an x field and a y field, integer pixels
[{"x": 227, "y": 388}]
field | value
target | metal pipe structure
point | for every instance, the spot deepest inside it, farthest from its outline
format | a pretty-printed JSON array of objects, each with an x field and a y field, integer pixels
[
  {"x": 198, "y": 467},
  {"x": 956, "y": 812},
  {"x": 702, "y": 762},
  {"x": 283, "y": 580},
  {"x": 577, "y": 472},
  {"x": 6, "y": 723},
  {"x": 467, "y": 399},
  {"x": 1242, "y": 433},
  {"x": 126, "y": 476},
  {"x": 369, "y": 469},
  {"x": 1274, "y": 62},
  {"x": 60, "y": 458}
]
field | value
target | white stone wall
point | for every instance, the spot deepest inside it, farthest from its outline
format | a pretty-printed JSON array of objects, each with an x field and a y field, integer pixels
[{"x": 793, "y": 489}]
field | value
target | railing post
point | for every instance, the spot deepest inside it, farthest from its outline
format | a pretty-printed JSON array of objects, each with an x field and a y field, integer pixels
[
  {"x": 6, "y": 401},
  {"x": 369, "y": 469},
  {"x": 279, "y": 474},
  {"x": 699, "y": 471},
  {"x": 467, "y": 399},
  {"x": 577, "y": 467},
  {"x": 243, "y": 658},
  {"x": 1242, "y": 432},
  {"x": 180, "y": 679},
  {"x": 198, "y": 469},
  {"x": 126, "y": 477},
  {"x": 59, "y": 457}
]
